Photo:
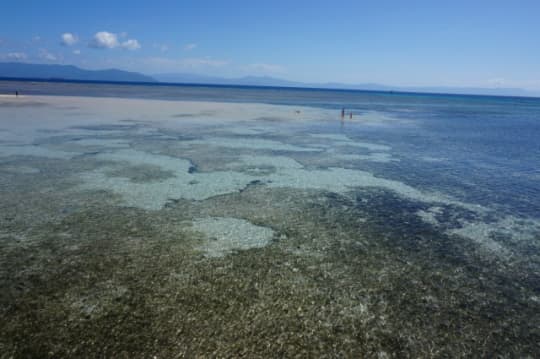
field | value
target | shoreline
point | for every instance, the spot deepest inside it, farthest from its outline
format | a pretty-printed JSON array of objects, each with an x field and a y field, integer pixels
[{"x": 288, "y": 111}]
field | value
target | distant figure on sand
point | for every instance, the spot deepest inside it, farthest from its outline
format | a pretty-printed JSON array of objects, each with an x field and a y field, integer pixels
[
  {"x": 16, "y": 93},
  {"x": 350, "y": 115},
  {"x": 343, "y": 113}
]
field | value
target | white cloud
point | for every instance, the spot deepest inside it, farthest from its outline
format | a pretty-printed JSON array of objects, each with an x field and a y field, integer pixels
[
  {"x": 266, "y": 68},
  {"x": 104, "y": 40},
  {"x": 17, "y": 56},
  {"x": 131, "y": 44},
  {"x": 109, "y": 40},
  {"x": 36, "y": 39},
  {"x": 189, "y": 47},
  {"x": 46, "y": 55},
  {"x": 76, "y": 52},
  {"x": 68, "y": 39}
]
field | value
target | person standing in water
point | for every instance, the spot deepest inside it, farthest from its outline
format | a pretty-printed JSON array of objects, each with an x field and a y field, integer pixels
[
  {"x": 16, "y": 93},
  {"x": 350, "y": 115},
  {"x": 343, "y": 113}
]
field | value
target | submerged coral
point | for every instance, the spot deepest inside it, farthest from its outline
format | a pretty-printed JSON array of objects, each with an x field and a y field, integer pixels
[{"x": 173, "y": 242}]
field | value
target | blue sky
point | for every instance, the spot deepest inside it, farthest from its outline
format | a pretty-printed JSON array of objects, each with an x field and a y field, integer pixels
[{"x": 417, "y": 43}]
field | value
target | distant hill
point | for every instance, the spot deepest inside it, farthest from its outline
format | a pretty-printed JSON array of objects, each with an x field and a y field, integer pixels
[
  {"x": 68, "y": 72},
  {"x": 261, "y": 81},
  {"x": 214, "y": 80}
]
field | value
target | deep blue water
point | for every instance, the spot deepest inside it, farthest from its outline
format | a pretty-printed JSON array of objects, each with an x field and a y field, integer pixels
[{"x": 484, "y": 150}]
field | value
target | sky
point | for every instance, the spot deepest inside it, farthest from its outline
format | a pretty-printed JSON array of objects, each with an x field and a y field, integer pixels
[{"x": 472, "y": 43}]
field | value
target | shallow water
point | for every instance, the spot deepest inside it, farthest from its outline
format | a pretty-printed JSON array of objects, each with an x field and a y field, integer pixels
[{"x": 142, "y": 227}]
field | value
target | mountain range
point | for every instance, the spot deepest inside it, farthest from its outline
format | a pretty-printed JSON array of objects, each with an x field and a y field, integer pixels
[
  {"x": 70, "y": 72},
  {"x": 67, "y": 72},
  {"x": 275, "y": 82}
]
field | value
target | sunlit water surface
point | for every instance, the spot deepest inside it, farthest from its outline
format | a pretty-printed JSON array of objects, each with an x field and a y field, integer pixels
[{"x": 265, "y": 223}]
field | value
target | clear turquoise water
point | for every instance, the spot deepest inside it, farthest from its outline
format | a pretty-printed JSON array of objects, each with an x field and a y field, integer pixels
[
  {"x": 412, "y": 230},
  {"x": 485, "y": 149}
]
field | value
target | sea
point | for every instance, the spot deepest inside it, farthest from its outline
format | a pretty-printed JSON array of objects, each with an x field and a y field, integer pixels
[{"x": 159, "y": 220}]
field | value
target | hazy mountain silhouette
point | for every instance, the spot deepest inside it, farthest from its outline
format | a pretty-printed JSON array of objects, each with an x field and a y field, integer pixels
[
  {"x": 68, "y": 72},
  {"x": 271, "y": 81}
]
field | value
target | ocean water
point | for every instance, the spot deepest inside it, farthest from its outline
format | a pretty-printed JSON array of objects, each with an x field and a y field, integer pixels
[{"x": 141, "y": 220}]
